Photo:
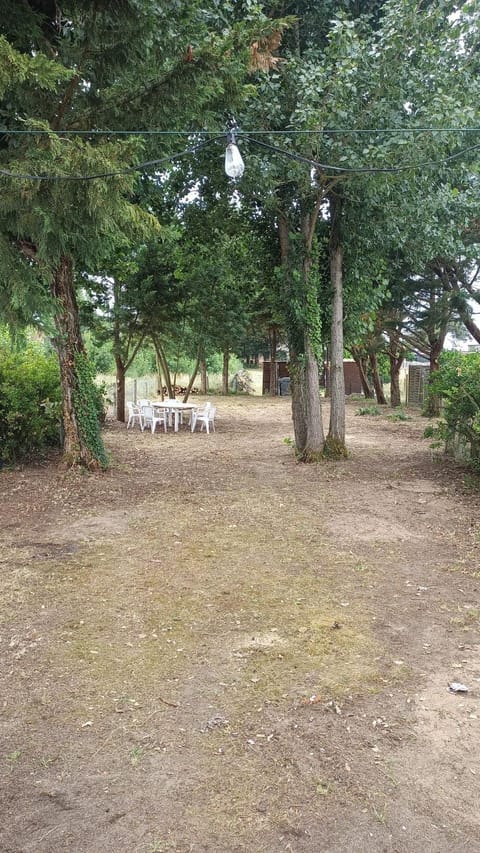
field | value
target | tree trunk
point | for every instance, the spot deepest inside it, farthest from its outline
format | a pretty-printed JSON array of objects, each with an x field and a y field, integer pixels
[
  {"x": 396, "y": 357},
  {"x": 313, "y": 413},
  {"x": 431, "y": 408},
  {"x": 335, "y": 444},
  {"x": 297, "y": 368},
  {"x": 306, "y": 408},
  {"x": 159, "y": 376},
  {"x": 203, "y": 377},
  {"x": 471, "y": 326},
  {"x": 123, "y": 354},
  {"x": 395, "y": 365},
  {"x": 272, "y": 336},
  {"x": 194, "y": 374},
  {"x": 361, "y": 362},
  {"x": 120, "y": 387},
  {"x": 297, "y": 387},
  {"x": 448, "y": 275},
  {"x": 313, "y": 450},
  {"x": 82, "y": 436},
  {"x": 395, "y": 398},
  {"x": 377, "y": 382},
  {"x": 226, "y": 360},
  {"x": 160, "y": 354}
]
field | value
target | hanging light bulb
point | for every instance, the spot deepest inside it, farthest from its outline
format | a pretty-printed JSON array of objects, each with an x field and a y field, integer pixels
[{"x": 234, "y": 165}]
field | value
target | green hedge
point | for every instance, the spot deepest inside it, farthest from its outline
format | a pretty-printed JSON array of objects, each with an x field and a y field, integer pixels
[
  {"x": 30, "y": 407},
  {"x": 457, "y": 383}
]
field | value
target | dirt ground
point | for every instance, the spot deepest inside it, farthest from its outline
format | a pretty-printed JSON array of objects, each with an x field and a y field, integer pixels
[{"x": 213, "y": 648}]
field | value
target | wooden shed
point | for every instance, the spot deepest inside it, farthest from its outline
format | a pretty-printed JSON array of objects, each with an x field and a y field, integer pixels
[
  {"x": 282, "y": 373},
  {"x": 351, "y": 374}
]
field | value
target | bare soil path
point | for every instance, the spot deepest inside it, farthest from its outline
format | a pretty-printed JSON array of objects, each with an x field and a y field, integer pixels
[{"x": 212, "y": 648}]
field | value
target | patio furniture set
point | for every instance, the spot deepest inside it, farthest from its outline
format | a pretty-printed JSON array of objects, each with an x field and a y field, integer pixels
[{"x": 168, "y": 413}]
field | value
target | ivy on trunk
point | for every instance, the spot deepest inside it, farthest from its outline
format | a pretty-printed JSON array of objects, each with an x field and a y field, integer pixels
[{"x": 82, "y": 435}]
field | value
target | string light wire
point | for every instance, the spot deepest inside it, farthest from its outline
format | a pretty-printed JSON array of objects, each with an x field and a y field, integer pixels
[
  {"x": 288, "y": 132},
  {"x": 361, "y": 169},
  {"x": 140, "y": 167},
  {"x": 192, "y": 149}
]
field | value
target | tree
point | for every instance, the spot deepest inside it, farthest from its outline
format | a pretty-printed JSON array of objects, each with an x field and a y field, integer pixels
[
  {"x": 64, "y": 72},
  {"x": 399, "y": 70}
]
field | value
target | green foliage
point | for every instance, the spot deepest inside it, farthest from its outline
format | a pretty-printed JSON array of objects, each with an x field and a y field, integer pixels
[
  {"x": 215, "y": 363},
  {"x": 99, "y": 355},
  {"x": 88, "y": 401},
  {"x": 457, "y": 383},
  {"x": 30, "y": 408},
  {"x": 143, "y": 363},
  {"x": 398, "y": 415},
  {"x": 368, "y": 410}
]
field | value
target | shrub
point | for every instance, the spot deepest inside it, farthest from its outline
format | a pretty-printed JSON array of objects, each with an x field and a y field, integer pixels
[
  {"x": 368, "y": 410},
  {"x": 457, "y": 383},
  {"x": 30, "y": 407},
  {"x": 398, "y": 415}
]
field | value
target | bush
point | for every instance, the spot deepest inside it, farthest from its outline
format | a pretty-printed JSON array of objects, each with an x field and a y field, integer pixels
[
  {"x": 30, "y": 402},
  {"x": 398, "y": 415},
  {"x": 368, "y": 410},
  {"x": 457, "y": 383}
]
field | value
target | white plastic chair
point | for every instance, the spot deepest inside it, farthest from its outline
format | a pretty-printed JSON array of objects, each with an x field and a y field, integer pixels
[
  {"x": 152, "y": 417},
  {"x": 134, "y": 415},
  {"x": 143, "y": 403},
  {"x": 204, "y": 415}
]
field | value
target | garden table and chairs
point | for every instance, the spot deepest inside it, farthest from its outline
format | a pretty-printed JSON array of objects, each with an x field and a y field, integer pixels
[
  {"x": 175, "y": 410},
  {"x": 169, "y": 412}
]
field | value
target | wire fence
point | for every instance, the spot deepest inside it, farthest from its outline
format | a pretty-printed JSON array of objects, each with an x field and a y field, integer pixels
[{"x": 146, "y": 387}]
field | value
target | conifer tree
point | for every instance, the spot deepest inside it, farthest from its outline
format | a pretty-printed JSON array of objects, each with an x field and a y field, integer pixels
[{"x": 66, "y": 72}]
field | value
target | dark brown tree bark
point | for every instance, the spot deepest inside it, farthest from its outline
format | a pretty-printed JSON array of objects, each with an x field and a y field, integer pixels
[
  {"x": 377, "y": 382},
  {"x": 162, "y": 359},
  {"x": 226, "y": 361},
  {"x": 120, "y": 372},
  {"x": 159, "y": 376},
  {"x": 69, "y": 345},
  {"x": 123, "y": 352},
  {"x": 395, "y": 397},
  {"x": 454, "y": 281},
  {"x": 272, "y": 336},
  {"x": 203, "y": 377},
  {"x": 432, "y": 404},
  {"x": 361, "y": 362},
  {"x": 194, "y": 374}
]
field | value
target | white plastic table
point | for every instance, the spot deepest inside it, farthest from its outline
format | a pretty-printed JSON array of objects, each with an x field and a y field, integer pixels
[{"x": 175, "y": 408}]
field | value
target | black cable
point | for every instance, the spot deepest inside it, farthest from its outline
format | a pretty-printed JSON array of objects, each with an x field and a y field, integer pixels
[
  {"x": 361, "y": 169},
  {"x": 141, "y": 167},
  {"x": 288, "y": 132}
]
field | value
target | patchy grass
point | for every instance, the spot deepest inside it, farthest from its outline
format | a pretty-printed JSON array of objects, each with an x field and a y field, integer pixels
[
  {"x": 399, "y": 415},
  {"x": 281, "y": 634},
  {"x": 372, "y": 410},
  {"x": 213, "y": 646}
]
